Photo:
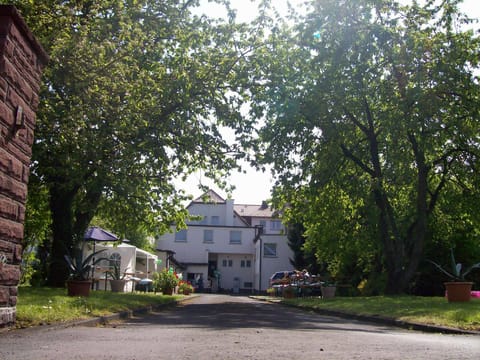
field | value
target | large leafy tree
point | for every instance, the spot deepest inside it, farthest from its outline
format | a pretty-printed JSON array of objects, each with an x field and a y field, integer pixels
[
  {"x": 371, "y": 111},
  {"x": 134, "y": 95}
]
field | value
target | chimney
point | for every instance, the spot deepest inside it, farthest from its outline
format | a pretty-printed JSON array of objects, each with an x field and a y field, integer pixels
[{"x": 229, "y": 212}]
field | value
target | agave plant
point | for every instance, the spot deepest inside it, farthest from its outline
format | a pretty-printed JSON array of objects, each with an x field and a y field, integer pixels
[
  {"x": 116, "y": 274},
  {"x": 80, "y": 267},
  {"x": 456, "y": 273}
]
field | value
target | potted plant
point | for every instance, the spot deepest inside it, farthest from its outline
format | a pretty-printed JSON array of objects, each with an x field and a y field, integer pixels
[
  {"x": 328, "y": 289},
  {"x": 289, "y": 292},
  {"x": 271, "y": 291},
  {"x": 80, "y": 267},
  {"x": 459, "y": 288},
  {"x": 165, "y": 281},
  {"x": 117, "y": 281},
  {"x": 185, "y": 288}
]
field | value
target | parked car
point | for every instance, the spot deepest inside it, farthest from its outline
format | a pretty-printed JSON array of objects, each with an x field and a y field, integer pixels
[{"x": 281, "y": 277}]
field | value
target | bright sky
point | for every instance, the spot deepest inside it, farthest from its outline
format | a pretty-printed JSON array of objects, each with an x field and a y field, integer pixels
[{"x": 254, "y": 187}]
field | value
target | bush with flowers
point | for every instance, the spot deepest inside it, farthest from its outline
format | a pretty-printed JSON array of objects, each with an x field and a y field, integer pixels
[
  {"x": 165, "y": 280},
  {"x": 184, "y": 287}
]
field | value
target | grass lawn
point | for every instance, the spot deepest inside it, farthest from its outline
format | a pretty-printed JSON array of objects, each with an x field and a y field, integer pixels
[
  {"x": 48, "y": 305},
  {"x": 426, "y": 310},
  {"x": 38, "y": 306}
]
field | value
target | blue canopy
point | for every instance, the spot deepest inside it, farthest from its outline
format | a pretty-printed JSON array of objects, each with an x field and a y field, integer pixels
[{"x": 96, "y": 233}]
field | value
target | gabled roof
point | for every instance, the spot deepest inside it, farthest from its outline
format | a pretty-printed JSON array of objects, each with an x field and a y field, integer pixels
[
  {"x": 209, "y": 197},
  {"x": 254, "y": 210},
  {"x": 241, "y": 210}
]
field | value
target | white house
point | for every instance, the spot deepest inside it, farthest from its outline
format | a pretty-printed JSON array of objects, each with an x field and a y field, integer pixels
[{"x": 232, "y": 247}]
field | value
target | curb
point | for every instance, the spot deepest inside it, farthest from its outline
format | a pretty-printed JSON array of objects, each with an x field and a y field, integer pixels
[
  {"x": 378, "y": 319},
  {"x": 102, "y": 320},
  {"x": 127, "y": 314}
]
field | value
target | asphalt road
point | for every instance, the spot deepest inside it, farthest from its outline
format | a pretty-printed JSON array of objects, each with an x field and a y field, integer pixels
[{"x": 227, "y": 327}]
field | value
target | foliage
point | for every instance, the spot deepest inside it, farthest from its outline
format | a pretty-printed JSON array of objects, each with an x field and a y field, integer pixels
[
  {"x": 37, "y": 233},
  {"x": 302, "y": 259},
  {"x": 185, "y": 287},
  {"x": 116, "y": 273},
  {"x": 456, "y": 273},
  {"x": 371, "y": 114},
  {"x": 79, "y": 265},
  {"x": 134, "y": 97},
  {"x": 165, "y": 279}
]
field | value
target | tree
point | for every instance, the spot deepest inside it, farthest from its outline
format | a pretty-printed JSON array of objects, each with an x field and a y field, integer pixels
[
  {"x": 378, "y": 104},
  {"x": 134, "y": 96},
  {"x": 302, "y": 259}
]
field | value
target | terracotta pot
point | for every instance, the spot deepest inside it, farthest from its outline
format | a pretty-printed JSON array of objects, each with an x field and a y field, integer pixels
[
  {"x": 78, "y": 287},
  {"x": 167, "y": 291},
  {"x": 288, "y": 293},
  {"x": 328, "y": 292},
  {"x": 117, "y": 285},
  {"x": 458, "y": 291}
]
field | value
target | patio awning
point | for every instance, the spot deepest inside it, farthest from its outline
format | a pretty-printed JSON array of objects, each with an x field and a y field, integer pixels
[
  {"x": 146, "y": 254},
  {"x": 96, "y": 233}
]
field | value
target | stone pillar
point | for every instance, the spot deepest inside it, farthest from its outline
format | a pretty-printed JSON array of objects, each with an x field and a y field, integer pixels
[{"x": 22, "y": 60}]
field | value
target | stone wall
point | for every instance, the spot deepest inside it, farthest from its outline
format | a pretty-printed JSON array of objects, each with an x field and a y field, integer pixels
[{"x": 22, "y": 60}]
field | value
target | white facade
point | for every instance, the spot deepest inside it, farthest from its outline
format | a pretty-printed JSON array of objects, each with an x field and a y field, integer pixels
[
  {"x": 226, "y": 246},
  {"x": 134, "y": 262}
]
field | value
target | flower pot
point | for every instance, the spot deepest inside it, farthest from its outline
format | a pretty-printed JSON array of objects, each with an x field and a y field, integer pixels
[
  {"x": 328, "y": 292},
  {"x": 288, "y": 293},
  {"x": 117, "y": 285},
  {"x": 167, "y": 291},
  {"x": 457, "y": 291},
  {"x": 78, "y": 287}
]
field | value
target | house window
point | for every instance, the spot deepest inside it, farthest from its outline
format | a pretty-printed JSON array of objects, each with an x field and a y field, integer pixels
[
  {"x": 224, "y": 263},
  {"x": 208, "y": 236},
  {"x": 204, "y": 221},
  {"x": 247, "y": 285},
  {"x": 269, "y": 250},
  {"x": 230, "y": 263},
  {"x": 235, "y": 237},
  {"x": 181, "y": 236},
  {"x": 263, "y": 224},
  {"x": 245, "y": 263},
  {"x": 215, "y": 220},
  {"x": 275, "y": 225}
]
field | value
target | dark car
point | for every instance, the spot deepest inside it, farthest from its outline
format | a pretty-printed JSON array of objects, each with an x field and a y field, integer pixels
[{"x": 281, "y": 277}]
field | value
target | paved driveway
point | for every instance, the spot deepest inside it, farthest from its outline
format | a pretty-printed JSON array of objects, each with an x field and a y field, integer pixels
[{"x": 225, "y": 327}]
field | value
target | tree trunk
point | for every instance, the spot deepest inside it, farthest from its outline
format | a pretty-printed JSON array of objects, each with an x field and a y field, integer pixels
[{"x": 62, "y": 234}]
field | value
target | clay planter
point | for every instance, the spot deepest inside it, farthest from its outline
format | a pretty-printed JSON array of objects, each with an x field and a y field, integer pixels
[
  {"x": 117, "y": 285},
  {"x": 288, "y": 293},
  {"x": 458, "y": 291},
  {"x": 167, "y": 291},
  {"x": 328, "y": 292},
  {"x": 78, "y": 287}
]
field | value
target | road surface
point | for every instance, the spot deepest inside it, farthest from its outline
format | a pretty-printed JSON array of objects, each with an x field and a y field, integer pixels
[{"x": 226, "y": 327}]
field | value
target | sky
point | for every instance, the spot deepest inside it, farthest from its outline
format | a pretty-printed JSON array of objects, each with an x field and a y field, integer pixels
[{"x": 253, "y": 186}]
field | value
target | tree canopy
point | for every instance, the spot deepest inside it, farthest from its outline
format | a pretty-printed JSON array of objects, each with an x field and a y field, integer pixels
[
  {"x": 371, "y": 115},
  {"x": 134, "y": 97}
]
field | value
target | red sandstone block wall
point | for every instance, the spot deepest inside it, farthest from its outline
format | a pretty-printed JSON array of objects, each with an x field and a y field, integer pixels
[{"x": 21, "y": 63}]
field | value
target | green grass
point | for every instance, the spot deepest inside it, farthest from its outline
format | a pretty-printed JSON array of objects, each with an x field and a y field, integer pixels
[
  {"x": 40, "y": 306},
  {"x": 426, "y": 310}
]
